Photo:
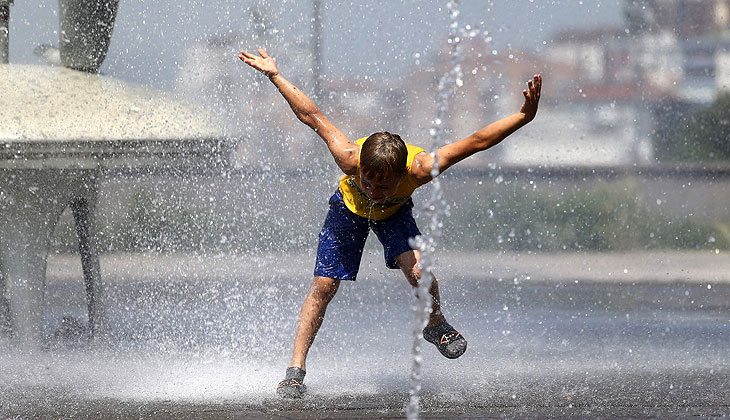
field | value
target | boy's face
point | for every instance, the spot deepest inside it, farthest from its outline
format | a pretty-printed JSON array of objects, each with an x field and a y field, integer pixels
[{"x": 378, "y": 188}]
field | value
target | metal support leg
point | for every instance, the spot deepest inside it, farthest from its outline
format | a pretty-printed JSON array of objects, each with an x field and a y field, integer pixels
[
  {"x": 83, "y": 213},
  {"x": 30, "y": 204},
  {"x": 28, "y": 214}
]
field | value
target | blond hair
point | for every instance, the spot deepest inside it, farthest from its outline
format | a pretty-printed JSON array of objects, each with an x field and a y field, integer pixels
[{"x": 383, "y": 155}]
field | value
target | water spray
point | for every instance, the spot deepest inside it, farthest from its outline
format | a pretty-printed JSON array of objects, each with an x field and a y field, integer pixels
[{"x": 436, "y": 208}]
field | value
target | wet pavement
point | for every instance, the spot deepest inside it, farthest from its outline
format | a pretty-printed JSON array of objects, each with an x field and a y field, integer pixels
[
  {"x": 362, "y": 407},
  {"x": 208, "y": 338}
]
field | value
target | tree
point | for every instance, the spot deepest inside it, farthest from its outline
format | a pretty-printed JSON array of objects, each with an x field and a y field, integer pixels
[{"x": 701, "y": 135}]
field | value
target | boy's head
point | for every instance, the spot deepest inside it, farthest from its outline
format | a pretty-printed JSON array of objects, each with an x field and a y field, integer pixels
[
  {"x": 383, "y": 155},
  {"x": 382, "y": 165}
]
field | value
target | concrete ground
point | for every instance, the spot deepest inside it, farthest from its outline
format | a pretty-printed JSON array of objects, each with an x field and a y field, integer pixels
[
  {"x": 356, "y": 408},
  {"x": 564, "y": 336}
]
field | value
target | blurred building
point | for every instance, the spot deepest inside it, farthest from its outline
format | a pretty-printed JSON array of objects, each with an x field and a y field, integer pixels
[
  {"x": 586, "y": 114},
  {"x": 689, "y": 39},
  {"x": 607, "y": 89},
  {"x": 685, "y": 18}
]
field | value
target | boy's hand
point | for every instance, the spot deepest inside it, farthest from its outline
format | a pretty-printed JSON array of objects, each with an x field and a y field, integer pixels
[
  {"x": 264, "y": 63},
  {"x": 532, "y": 97}
]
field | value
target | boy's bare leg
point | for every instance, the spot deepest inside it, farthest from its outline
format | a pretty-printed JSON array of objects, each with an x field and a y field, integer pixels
[
  {"x": 408, "y": 263},
  {"x": 438, "y": 332},
  {"x": 320, "y": 294}
]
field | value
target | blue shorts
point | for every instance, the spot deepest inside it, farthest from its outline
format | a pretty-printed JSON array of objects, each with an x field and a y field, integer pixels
[{"x": 343, "y": 236}]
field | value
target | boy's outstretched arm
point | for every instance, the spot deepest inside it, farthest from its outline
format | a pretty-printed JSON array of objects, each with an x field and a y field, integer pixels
[
  {"x": 344, "y": 151},
  {"x": 480, "y": 140}
]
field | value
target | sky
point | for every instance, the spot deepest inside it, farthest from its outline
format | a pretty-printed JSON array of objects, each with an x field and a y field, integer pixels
[{"x": 380, "y": 38}]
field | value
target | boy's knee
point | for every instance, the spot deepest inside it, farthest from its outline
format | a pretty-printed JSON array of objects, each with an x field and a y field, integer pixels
[
  {"x": 414, "y": 272},
  {"x": 324, "y": 288},
  {"x": 409, "y": 262}
]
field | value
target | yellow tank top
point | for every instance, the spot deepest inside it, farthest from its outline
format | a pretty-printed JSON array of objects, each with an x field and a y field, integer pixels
[{"x": 360, "y": 204}]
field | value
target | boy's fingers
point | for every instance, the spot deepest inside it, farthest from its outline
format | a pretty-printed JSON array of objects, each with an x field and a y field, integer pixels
[
  {"x": 263, "y": 53},
  {"x": 247, "y": 58}
]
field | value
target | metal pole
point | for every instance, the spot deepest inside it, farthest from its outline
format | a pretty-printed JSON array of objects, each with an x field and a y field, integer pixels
[
  {"x": 5, "y": 31},
  {"x": 317, "y": 49}
]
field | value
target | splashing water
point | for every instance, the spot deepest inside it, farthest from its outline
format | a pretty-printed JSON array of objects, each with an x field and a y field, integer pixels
[{"x": 435, "y": 208}]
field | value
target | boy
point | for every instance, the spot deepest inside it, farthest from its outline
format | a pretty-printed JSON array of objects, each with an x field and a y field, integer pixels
[{"x": 381, "y": 173}]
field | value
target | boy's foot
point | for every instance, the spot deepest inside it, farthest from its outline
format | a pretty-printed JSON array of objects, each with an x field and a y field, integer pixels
[
  {"x": 446, "y": 339},
  {"x": 293, "y": 384}
]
